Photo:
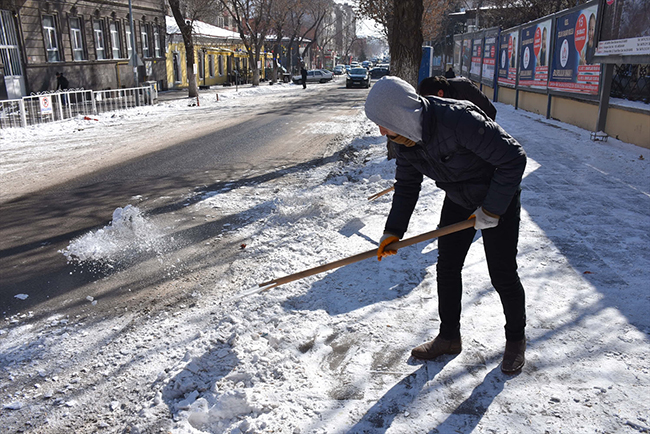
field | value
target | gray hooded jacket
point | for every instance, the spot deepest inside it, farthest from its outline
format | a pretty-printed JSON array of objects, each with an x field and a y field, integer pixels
[{"x": 470, "y": 157}]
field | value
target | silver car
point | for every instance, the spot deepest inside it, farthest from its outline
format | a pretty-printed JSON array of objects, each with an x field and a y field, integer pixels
[{"x": 314, "y": 76}]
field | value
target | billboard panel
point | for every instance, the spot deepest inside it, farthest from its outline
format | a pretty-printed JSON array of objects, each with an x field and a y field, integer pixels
[
  {"x": 508, "y": 58},
  {"x": 466, "y": 56},
  {"x": 534, "y": 57},
  {"x": 458, "y": 47},
  {"x": 477, "y": 55},
  {"x": 490, "y": 46},
  {"x": 573, "y": 69},
  {"x": 625, "y": 28}
]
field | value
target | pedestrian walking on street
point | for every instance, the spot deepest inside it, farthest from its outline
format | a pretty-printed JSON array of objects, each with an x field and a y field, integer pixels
[
  {"x": 61, "y": 82},
  {"x": 303, "y": 73},
  {"x": 480, "y": 167},
  {"x": 457, "y": 88},
  {"x": 450, "y": 73}
]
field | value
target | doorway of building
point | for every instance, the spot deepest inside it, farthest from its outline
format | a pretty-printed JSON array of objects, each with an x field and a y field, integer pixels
[{"x": 176, "y": 62}]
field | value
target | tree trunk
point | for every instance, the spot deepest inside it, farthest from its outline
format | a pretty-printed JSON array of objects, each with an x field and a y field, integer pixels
[
  {"x": 276, "y": 51},
  {"x": 256, "y": 71},
  {"x": 405, "y": 40},
  {"x": 186, "y": 31},
  {"x": 192, "y": 88}
]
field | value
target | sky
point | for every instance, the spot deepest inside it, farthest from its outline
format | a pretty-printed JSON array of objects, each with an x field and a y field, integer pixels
[
  {"x": 365, "y": 27},
  {"x": 330, "y": 353}
]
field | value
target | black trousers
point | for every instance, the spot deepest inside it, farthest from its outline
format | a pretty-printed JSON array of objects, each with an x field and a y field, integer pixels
[{"x": 501, "y": 254}]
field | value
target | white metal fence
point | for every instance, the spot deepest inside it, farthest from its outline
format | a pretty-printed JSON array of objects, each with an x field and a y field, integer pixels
[{"x": 56, "y": 106}]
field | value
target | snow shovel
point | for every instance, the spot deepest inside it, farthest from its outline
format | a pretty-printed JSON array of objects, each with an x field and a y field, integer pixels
[{"x": 361, "y": 256}]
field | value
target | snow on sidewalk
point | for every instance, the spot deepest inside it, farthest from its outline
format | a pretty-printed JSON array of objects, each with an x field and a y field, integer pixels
[{"x": 330, "y": 353}]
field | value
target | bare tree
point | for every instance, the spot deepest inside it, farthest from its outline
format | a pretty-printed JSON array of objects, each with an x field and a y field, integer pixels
[
  {"x": 510, "y": 13},
  {"x": 185, "y": 15},
  {"x": 280, "y": 21},
  {"x": 317, "y": 11},
  {"x": 253, "y": 19},
  {"x": 402, "y": 21},
  {"x": 296, "y": 18},
  {"x": 434, "y": 18},
  {"x": 333, "y": 36},
  {"x": 350, "y": 46},
  {"x": 378, "y": 10}
]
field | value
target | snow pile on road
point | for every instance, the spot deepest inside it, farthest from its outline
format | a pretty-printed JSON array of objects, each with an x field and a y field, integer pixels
[{"x": 128, "y": 235}]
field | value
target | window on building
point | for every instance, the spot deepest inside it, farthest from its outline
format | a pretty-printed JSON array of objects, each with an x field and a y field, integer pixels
[
  {"x": 220, "y": 22},
  {"x": 116, "y": 42},
  {"x": 76, "y": 39},
  {"x": 51, "y": 38},
  {"x": 129, "y": 41},
  {"x": 156, "y": 42},
  {"x": 9, "y": 49},
  {"x": 100, "y": 46},
  {"x": 211, "y": 65},
  {"x": 144, "y": 34},
  {"x": 220, "y": 66}
]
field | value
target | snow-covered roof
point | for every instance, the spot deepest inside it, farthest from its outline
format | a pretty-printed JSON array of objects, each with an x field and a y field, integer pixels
[{"x": 199, "y": 28}]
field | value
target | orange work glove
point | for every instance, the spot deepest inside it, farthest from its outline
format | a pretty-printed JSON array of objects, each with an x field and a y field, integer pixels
[{"x": 385, "y": 240}]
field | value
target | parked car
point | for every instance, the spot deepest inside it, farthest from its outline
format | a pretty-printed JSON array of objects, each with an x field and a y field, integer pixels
[
  {"x": 378, "y": 72},
  {"x": 357, "y": 77},
  {"x": 314, "y": 76}
]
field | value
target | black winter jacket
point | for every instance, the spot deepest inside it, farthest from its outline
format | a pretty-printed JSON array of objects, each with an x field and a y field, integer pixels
[
  {"x": 465, "y": 89},
  {"x": 470, "y": 157}
]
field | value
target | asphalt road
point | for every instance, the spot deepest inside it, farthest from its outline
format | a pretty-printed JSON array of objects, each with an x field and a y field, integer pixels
[{"x": 261, "y": 144}]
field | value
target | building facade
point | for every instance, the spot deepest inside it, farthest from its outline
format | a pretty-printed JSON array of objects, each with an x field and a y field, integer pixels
[
  {"x": 89, "y": 42},
  {"x": 219, "y": 54}
]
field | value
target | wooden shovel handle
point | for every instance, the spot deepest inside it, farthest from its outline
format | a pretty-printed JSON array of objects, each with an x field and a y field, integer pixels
[
  {"x": 381, "y": 193},
  {"x": 371, "y": 253}
]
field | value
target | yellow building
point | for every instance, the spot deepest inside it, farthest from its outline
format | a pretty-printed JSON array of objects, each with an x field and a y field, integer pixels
[{"x": 220, "y": 56}]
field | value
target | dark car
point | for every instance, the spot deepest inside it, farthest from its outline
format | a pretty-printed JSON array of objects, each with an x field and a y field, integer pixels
[
  {"x": 357, "y": 77},
  {"x": 379, "y": 72}
]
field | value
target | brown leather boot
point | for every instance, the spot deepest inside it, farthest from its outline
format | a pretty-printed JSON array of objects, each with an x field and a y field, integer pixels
[
  {"x": 437, "y": 347},
  {"x": 514, "y": 357}
]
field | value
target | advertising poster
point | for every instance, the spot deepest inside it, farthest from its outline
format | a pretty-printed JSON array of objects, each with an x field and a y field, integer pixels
[
  {"x": 626, "y": 28},
  {"x": 534, "y": 57},
  {"x": 467, "y": 51},
  {"x": 477, "y": 54},
  {"x": 489, "y": 57},
  {"x": 573, "y": 69},
  {"x": 508, "y": 58}
]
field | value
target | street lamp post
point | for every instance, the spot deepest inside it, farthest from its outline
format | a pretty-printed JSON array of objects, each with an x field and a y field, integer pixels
[{"x": 134, "y": 55}]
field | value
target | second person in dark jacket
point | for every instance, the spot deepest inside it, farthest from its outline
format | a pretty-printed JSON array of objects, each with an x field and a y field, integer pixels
[
  {"x": 480, "y": 167},
  {"x": 459, "y": 88}
]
